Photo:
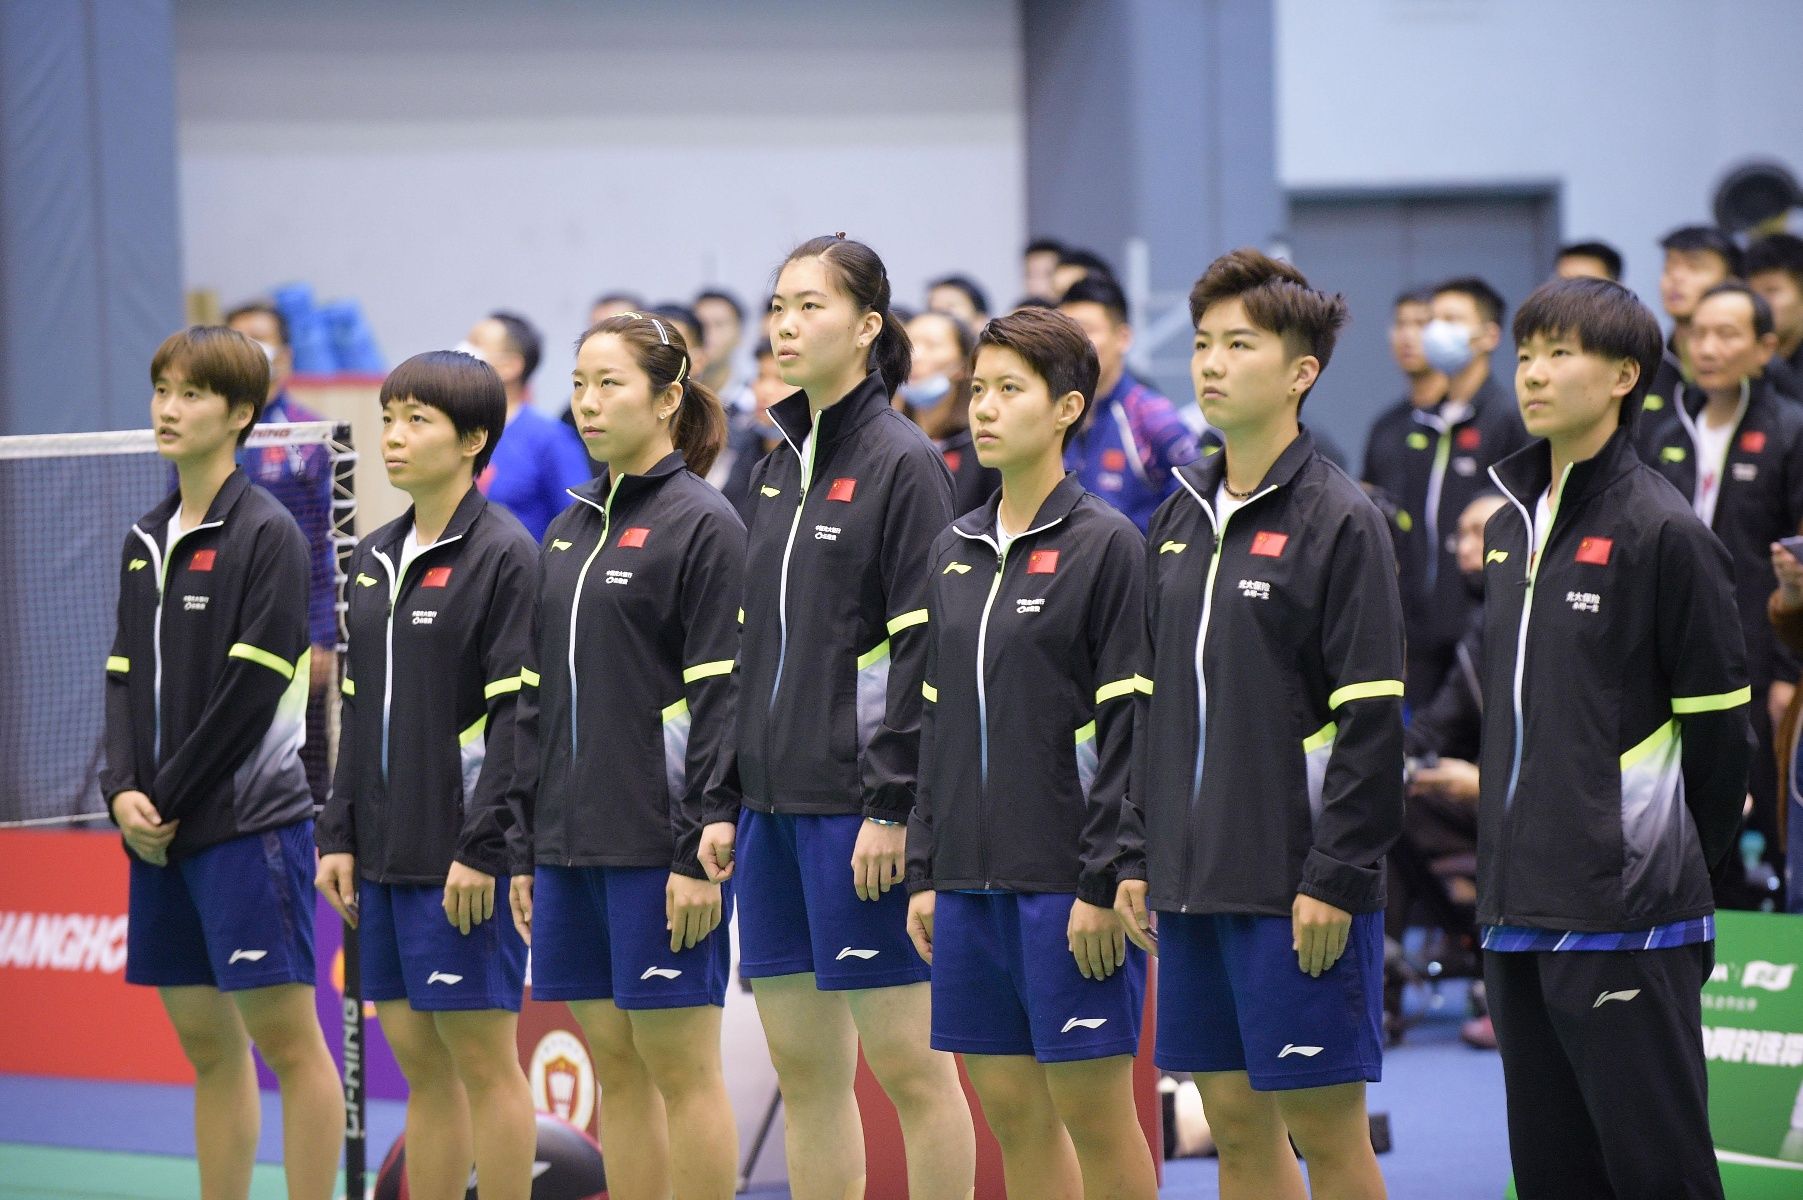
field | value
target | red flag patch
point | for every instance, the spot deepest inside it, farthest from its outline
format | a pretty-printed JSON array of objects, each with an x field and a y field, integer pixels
[
  {"x": 202, "y": 560},
  {"x": 953, "y": 460},
  {"x": 632, "y": 539},
  {"x": 1595, "y": 551},
  {"x": 1753, "y": 441},
  {"x": 1470, "y": 438},
  {"x": 1114, "y": 460},
  {"x": 842, "y": 490},
  {"x": 436, "y": 577},
  {"x": 1266, "y": 544},
  {"x": 1042, "y": 562}
]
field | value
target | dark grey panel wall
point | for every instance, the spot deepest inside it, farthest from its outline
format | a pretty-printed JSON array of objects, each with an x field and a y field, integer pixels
[{"x": 90, "y": 266}]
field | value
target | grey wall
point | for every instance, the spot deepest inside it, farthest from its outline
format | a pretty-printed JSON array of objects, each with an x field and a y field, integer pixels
[
  {"x": 437, "y": 160},
  {"x": 90, "y": 278}
]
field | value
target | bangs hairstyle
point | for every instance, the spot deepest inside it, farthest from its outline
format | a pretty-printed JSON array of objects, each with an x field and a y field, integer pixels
[
  {"x": 1278, "y": 300},
  {"x": 461, "y": 386},
  {"x": 219, "y": 360},
  {"x": 1054, "y": 347},
  {"x": 1604, "y": 318},
  {"x": 698, "y": 428},
  {"x": 864, "y": 280}
]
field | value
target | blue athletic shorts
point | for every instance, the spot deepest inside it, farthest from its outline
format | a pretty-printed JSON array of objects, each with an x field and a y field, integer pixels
[
  {"x": 236, "y": 915},
  {"x": 598, "y": 933},
  {"x": 798, "y": 912},
  {"x": 1004, "y": 982},
  {"x": 1231, "y": 997},
  {"x": 411, "y": 951}
]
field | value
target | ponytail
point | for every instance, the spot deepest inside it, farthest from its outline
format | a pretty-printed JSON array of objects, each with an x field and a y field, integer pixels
[
  {"x": 699, "y": 428},
  {"x": 866, "y": 281}
]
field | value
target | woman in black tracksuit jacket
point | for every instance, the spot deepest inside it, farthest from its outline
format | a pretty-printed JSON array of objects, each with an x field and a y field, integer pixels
[
  {"x": 413, "y": 843},
  {"x": 1035, "y": 610},
  {"x": 625, "y": 749},
  {"x": 832, "y": 650}
]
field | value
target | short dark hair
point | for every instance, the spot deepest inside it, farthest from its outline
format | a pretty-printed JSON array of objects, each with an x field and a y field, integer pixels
[
  {"x": 522, "y": 339},
  {"x": 631, "y": 299},
  {"x": 1489, "y": 301},
  {"x": 962, "y": 283},
  {"x": 1762, "y": 312},
  {"x": 461, "y": 386},
  {"x": 220, "y": 360},
  {"x": 1692, "y": 238},
  {"x": 1776, "y": 252},
  {"x": 1606, "y": 319},
  {"x": 1277, "y": 298},
  {"x": 724, "y": 297},
  {"x": 682, "y": 314},
  {"x": 1089, "y": 260},
  {"x": 1098, "y": 289},
  {"x": 1415, "y": 295},
  {"x": 1043, "y": 245},
  {"x": 1055, "y": 347},
  {"x": 1033, "y": 302},
  {"x": 1603, "y": 252},
  {"x": 262, "y": 308}
]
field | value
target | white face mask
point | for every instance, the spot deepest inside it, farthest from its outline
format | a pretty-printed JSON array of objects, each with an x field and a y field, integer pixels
[
  {"x": 1446, "y": 346},
  {"x": 929, "y": 393},
  {"x": 468, "y": 347}
]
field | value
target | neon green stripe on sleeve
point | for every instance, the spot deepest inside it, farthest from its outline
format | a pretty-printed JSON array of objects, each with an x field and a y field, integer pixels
[
  {"x": 1323, "y": 736},
  {"x": 528, "y": 677},
  {"x": 874, "y": 655},
  {"x": 679, "y": 709},
  {"x": 1365, "y": 691},
  {"x": 907, "y": 620},
  {"x": 118, "y": 664},
  {"x": 1685, "y": 706},
  {"x": 501, "y": 687},
  {"x": 474, "y": 731},
  {"x": 1651, "y": 744},
  {"x": 929, "y": 691},
  {"x": 707, "y": 670},
  {"x": 1117, "y": 689},
  {"x": 1087, "y": 733},
  {"x": 262, "y": 658},
  {"x": 1143, "y": 685},
  {"x": 348, "y": 686}
]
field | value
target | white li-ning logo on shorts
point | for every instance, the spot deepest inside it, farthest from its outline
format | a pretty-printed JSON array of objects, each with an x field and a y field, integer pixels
[
  {"x": 854, "y": 952},
  {"x": 1084, "y": 1023},
  {"x": 659, "y": 973},
  {"x": 1304, "y": 1051}
]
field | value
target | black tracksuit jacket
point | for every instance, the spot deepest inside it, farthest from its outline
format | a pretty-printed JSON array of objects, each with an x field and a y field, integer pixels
[
  {"x": 1279, "y": 770},
  {"x": 206, "y": 685},
  {"x": 1760, "y": 499},
  {"x": 626, "y": 723},
  {"x": 1024, "y": 758},
  {"x": 1616, "y": 741},
  {"x": 431, "y": 692},
  {"x": 834, "y": 640},
  {"x": 1431, "y": 470}
]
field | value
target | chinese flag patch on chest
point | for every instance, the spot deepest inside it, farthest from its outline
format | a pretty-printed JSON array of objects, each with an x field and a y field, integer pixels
[
  {"x": 1114, "y": 460},
  {"x": 842, "y": 490},
  {"x": 1266, "y": 544},
  {"x": 1470, "y": 438},
  {"x": 1753, "y": 441},
  {"x": 1595, "y": 551},
  {"x": 632, "y": 539},
  {"x": 436, "y": 577},
  {"x": 1042, "y": 562},
  {"x": 953, "y": 460},
  {"x": 202, "y": 560}
]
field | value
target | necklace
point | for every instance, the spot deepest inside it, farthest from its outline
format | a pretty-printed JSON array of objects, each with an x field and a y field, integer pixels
[{"x": 1245, "y": 495}]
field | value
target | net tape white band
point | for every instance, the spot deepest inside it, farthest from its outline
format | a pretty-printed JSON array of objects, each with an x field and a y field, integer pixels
[{"x": 143, "y": 441}]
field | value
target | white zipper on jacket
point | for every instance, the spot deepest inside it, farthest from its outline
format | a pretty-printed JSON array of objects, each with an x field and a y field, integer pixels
[
  {"x": 606, "y": 509},
  {"x": 1535, "y": 553},
  {"x": 1208, "y": 603},
  {"x": 394, "y": 596},
  {"x": 806, "y": 462},
  {"x": 160, "y": 562},
  {"x": 1696, "y": 443},
  {"x": 1436, "y": 482}
]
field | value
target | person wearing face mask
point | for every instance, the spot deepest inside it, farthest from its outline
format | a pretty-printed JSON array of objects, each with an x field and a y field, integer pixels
[
  {"x": 1433, "y": 465},
  {"x": 540, "y": 459},
  {"x": 937, "y": 398},
  {"x": 301, "y": 478},
  {"x": 1734, "y": 447}
]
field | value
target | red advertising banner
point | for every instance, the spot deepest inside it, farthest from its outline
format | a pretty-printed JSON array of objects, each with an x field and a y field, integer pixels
[{"x": 65, "y": 1008}]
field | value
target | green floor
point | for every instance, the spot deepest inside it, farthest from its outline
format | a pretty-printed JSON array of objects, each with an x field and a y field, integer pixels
[{"x": 53, "y": 1173}]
